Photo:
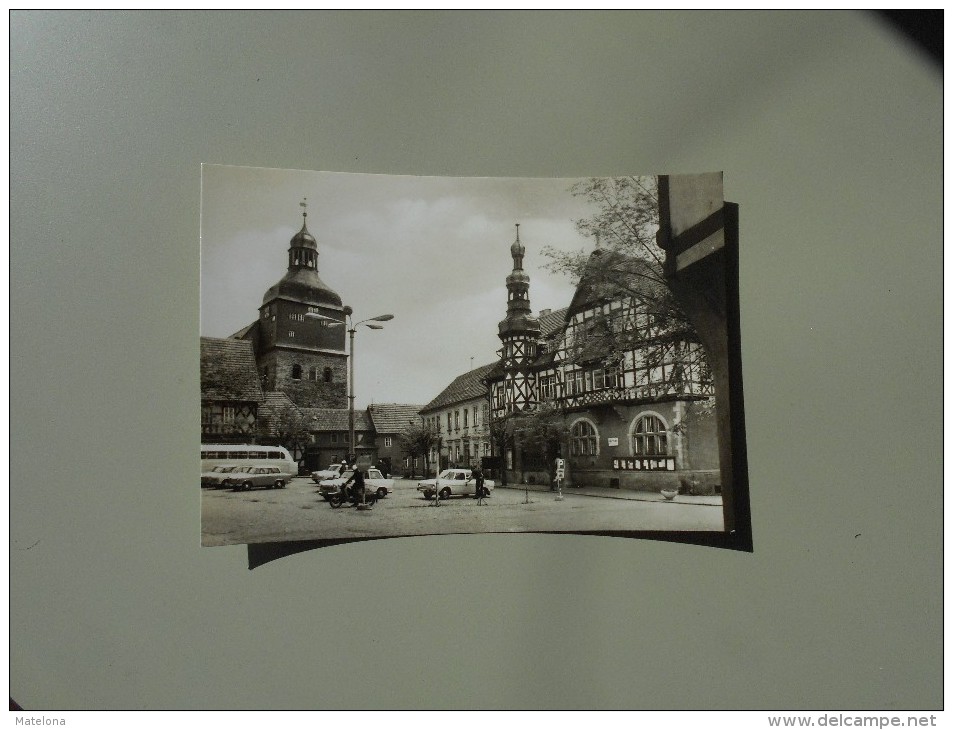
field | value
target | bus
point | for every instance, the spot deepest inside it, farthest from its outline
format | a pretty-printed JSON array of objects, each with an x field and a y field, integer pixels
[{"x": 248, "y": 455}]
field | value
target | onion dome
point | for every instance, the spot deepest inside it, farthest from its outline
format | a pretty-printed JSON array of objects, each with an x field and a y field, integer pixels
[{"x": 301, "y": 283}]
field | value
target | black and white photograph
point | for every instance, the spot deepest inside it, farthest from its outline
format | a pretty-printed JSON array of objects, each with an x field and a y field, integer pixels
[{"x": 386, "y": 356}]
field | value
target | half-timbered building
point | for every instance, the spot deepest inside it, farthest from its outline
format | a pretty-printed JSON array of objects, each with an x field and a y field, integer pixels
[{"x": 639, "y": 415}]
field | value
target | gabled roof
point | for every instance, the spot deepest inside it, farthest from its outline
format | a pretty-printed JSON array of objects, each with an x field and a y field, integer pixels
[
  {"x": 609, "y": 274},
  {"x": 336, "y": 419},
  {"x": 228, "y": 370},
  {"x": 463, "y": 388},
  {"x": 393, "y": 417},
  {"x": 243, "y": 333}
]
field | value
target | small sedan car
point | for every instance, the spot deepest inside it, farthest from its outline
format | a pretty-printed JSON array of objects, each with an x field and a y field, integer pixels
[
  {"x": 246, "y": 477},
  {"x": 332, "y": 472},
  {"x": 453, "y": 481},
  {"x": 217, "y": 474},
  {"x": 374, "y": 481}
]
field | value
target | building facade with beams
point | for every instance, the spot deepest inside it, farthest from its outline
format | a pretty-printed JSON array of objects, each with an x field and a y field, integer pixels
[
  {"x": 640, "y": 419},
  {"x": 459, "y": 416}
]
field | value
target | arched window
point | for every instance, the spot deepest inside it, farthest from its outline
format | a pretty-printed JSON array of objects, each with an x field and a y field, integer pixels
[
  {"x": 296, "y": 372},
  {"x": 328, "y": 375},
  {"x": 649, "y": 437},
  {"x": 583, "y": 439}
]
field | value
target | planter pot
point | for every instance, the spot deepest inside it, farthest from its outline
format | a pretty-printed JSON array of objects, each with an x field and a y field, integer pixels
[{"x": 669, "y": 494}]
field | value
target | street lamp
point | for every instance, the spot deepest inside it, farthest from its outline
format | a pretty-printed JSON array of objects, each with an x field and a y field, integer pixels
[{"x": 351, "y": 330}]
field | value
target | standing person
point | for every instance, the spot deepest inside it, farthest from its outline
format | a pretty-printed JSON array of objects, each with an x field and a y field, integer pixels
[{"x": 477, "y": 475}]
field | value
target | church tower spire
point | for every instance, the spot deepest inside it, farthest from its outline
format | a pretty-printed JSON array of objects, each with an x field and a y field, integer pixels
[{"x": 519, "y": 333}]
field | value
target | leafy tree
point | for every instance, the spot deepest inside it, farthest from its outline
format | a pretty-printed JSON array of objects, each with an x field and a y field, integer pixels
[
  {"x": 539, "y": 431},
  {"x": 417, "y": 440}
]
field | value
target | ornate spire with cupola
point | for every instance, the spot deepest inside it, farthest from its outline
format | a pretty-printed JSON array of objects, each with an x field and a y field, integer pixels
[{"x": 519, "y": 333}]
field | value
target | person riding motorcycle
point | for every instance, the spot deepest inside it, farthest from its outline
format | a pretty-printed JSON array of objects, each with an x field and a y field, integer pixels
[{"x": 357, "y": 492}]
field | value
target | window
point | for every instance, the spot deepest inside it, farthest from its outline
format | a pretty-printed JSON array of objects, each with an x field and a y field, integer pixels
[
  {"x": 388, "y": 442},
  {"x": 650, "y": 437},
  {"x": 291, "y": 333},
  {"x": 296, "y": 372},
  {"x": 328, "y": 375},
  {"x": 296, "y": 317},
  {"x": 466, "y": 417},
  {"x": 312, "y": 374},
  {"x": 456, "y": 420},
  {"x": 583, "y": 440},
  {"x": 547, "y": 387},
  {"x": 228, "y": 414},
  {"x": 448, "y": 421},
  {"x": 334, "y": 438}
]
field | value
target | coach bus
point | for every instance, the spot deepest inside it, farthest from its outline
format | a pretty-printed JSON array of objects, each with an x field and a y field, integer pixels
[{"x": 248, "y": 455}]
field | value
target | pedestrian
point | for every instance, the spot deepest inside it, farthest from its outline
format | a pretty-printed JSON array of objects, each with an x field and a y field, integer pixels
[{"x": 477, "y": 475}]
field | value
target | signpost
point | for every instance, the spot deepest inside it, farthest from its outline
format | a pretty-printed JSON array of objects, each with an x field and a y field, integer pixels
[{"x": 560, "y": 475}]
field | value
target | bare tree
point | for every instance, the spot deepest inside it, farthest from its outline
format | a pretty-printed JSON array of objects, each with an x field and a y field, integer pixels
[{"x": 286, "y": 425}]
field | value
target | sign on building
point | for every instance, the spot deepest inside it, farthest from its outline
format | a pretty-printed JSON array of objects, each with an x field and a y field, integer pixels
[{"x": 665, "y": 463}]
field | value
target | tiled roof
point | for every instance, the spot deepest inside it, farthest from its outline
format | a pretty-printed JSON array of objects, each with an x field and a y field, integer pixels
[
  {"x": 393, "y": 417},
  {"x": 465, "y": 387},
  {"x": 228, "y": 370},
  {"x": 336, "y": 419},
  {"x": 551, "y": 324}
]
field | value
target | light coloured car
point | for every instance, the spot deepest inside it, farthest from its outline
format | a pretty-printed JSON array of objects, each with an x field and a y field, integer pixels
[
  {"x": 246, "y": 477},
  {"x": 332, "y": 472},
  {"x": 453, "y": 482},
  {"x": 217, "y": 474},
  {"x": 374, "y": 481}
]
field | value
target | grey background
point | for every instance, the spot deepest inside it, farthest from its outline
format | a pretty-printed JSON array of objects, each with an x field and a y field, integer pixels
[{"x": 828, "y": 129}]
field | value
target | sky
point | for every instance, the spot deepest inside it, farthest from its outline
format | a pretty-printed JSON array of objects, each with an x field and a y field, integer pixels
[{"x": 432, "y": 251}]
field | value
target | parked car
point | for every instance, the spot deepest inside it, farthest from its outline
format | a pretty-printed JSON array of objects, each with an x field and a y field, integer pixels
[
  {"x": 332, "y": 472},
  {"x": 374, "y": 481},
  {"x": 453, "y": 481},
  {"x": 217, "y": 474},
  {"x": 270, "y": 477}
]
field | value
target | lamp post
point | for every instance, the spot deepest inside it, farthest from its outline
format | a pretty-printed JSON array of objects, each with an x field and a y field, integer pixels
[{"x": 351, "y": 330}]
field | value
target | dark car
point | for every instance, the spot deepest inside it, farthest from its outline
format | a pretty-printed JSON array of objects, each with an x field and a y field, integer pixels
[{"x": 269, "y": 477}]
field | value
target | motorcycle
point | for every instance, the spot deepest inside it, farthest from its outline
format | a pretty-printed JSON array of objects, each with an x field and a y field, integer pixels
[{"x": 338, "y": 495}]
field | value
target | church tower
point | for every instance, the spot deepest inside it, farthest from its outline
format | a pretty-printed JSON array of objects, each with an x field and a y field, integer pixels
[
  {"x": 519, "y": 333},
  {"x": 300, "y": 355}
]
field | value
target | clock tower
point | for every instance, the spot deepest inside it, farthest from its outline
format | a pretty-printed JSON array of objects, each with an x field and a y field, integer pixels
[{"x": 303, "y": 356}]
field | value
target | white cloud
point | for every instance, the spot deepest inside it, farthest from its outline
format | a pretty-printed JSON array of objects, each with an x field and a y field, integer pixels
[{"x": 435, "y": 252}]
